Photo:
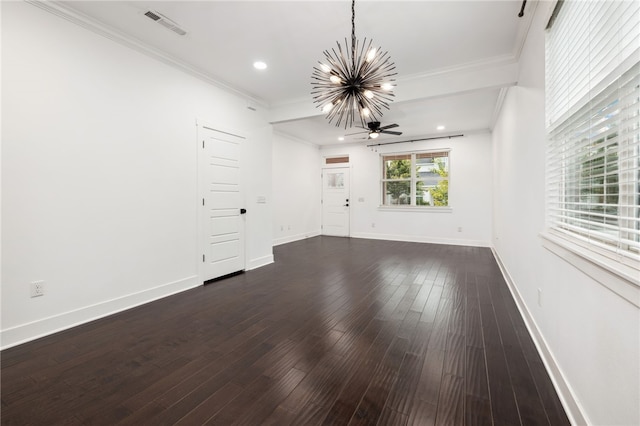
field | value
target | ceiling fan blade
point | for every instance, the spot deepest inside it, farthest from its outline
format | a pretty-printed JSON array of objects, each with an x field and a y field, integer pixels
[
  {"x": 389, "y": 126},
  {"x": 391, "y": 133}
]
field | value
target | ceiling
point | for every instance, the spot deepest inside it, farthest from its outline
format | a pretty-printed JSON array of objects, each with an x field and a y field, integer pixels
[{"x": 454, "y": 58}]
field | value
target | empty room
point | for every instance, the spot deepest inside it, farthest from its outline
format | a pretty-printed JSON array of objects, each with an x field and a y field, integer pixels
[{"x": 320, "y": 212}]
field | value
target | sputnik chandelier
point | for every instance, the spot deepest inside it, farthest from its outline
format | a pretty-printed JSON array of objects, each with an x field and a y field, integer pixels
[{"x": 347, "y": 86}]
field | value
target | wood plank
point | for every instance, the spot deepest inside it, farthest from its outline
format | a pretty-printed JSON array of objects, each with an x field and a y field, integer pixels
[
  {"x": 384, "y": 332},
  {"x": 384, "y": 378}
]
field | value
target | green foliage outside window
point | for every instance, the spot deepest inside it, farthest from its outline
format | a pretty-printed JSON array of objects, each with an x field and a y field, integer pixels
[
  {"x": 398, "y": 169},
  {"x": 440, "y": 194},
  {"x": 419, "y": 179}
]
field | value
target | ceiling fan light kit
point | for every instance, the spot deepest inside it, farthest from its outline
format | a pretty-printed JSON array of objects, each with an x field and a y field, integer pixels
[{"x": 354, "y": 82}]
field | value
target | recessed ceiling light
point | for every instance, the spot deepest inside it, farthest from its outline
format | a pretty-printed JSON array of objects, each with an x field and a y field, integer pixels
[
  {"x": 440, "y": 127},
  {"x": 340, "y": 138},
  {"x": 259, "y": 65}
]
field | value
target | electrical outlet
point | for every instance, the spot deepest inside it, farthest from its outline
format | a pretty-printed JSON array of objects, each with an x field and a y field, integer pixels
[{"x": 37, "y": 288}]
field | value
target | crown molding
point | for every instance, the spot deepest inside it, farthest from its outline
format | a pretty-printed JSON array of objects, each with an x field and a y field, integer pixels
[
  {"x": 97, "y": 27},
  {"x": 498, "y": 107},
  {"x": 292, "y": 138},
  {"x": 467, "y": 67},
  {"x": 523, "y": 30}
]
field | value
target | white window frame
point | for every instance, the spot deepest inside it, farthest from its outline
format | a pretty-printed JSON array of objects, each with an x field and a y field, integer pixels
[{"x": 412, "y": 182}]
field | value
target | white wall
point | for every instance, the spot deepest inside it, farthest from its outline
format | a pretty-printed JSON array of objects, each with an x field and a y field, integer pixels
[
  {"x": 469, "y": 194},
  {"x": 296, "y": 190},
  {"x": 99, "y": 179},
  {"x": 589, "y": 335}
]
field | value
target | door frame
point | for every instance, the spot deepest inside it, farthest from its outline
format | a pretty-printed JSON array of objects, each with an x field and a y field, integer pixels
[
  {"x": 201, "y": 228},
  {"x": 329, "y": 167}
]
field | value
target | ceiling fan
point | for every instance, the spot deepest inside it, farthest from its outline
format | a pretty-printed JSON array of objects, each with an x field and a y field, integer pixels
[{"x": 374, "y": 130}]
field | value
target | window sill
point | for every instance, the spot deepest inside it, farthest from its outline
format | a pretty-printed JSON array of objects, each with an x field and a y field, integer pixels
[
  {"x": 624, "y": 280},
  {"x": 421, "y": 209}
]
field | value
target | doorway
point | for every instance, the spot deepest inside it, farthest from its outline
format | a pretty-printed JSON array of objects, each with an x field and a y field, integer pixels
[
  {"x": 335, "y": 201},
  {"x": 222, "y": 222}
]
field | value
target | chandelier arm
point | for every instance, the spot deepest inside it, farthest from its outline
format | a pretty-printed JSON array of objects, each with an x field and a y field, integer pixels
[{"x": 361, "y": 63}]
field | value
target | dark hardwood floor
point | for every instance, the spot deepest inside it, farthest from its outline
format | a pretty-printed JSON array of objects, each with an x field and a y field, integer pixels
[{"x": 337, "y": 331}]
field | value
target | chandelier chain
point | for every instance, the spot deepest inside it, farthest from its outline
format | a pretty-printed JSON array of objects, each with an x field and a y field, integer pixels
[{"x": 353, "y": 33}]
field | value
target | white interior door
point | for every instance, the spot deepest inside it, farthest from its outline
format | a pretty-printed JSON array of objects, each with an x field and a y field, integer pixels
[
  {"x": 222, "y": 222},
  {"x": 335, "y": 201}
]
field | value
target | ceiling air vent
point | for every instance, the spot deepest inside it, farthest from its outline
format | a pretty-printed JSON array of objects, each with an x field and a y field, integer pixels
[{"x": 165, "y": 22}]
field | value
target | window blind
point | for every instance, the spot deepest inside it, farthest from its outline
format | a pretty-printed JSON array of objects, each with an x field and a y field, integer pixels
[
  {"x": 593, "y": 124},
  {"x": 590, "y": 44}
]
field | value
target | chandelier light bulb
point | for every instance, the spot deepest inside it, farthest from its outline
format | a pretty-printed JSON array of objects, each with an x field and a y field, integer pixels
[
  {"x": 387, "y": 87},
  {"x": 368, "y": 94},
  {"x": 324, "y": 67},
  {"x": 371, "y": 55},
  {"x": 328, "y": 107},
  {"x": 335, "y": 79},
  {"x": 366, "y": 112}
]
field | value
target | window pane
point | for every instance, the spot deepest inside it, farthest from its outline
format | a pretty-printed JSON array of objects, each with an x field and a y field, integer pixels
[
  {"x": 430, "y": 194},
  {"x": 397, "y": 166},
  {"x": 416, "y": 179},
  {"x": 396, "y": 193},
  {"x": 335, "y": 180},
  {"x": 432, "y": 172}
]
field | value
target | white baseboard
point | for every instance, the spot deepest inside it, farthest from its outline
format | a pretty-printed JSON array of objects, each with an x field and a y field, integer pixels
[
  {"x": 565, "y": 392},
  {"x": 420, "y": 239},
  {"x": 260, "y": 261},
  {"x": 292, "y": 238},
  {"x": 30, "y": 331}
]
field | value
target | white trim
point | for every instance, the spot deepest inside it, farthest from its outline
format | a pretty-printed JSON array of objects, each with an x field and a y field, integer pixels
[
  {"x": 523, "y": 28},
  {"x": 43, "y": 327},
  {"x": 565, "y": 392},
  {"x": 502, "y": 94},
  {"x": 416, "y": 239},
  {"x": 415, "y": 209},
  {"x": 259, "y": 262},
  {"x": 297, "y": 237},
  {"x": 485, "y": 64},
  {"x": 617, "y": 277},
  {"x": 292, "y": 138},
  {"x": 91, "y": 24}
]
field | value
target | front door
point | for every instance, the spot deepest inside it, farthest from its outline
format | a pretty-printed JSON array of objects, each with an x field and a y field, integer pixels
[
  {"x": 335, "y": 201},
  {"x": 222, "y": 203}
]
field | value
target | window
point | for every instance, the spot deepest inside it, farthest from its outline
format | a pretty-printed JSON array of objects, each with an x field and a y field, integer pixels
[
  {"x": 416, "y": 179},
  {"x": 593, "y": 124}
]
